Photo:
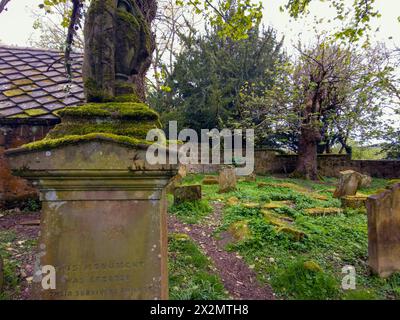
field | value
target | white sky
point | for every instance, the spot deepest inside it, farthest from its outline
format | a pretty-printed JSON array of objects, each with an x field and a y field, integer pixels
[{"x": 16, "y": 23}]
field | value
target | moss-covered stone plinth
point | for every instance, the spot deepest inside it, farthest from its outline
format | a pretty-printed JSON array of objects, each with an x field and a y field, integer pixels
[
  {"x": 103, "y": 224},
  {"x": 126, "y": 123}
]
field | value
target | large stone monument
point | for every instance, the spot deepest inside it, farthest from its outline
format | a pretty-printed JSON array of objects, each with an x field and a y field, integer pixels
[
  {"x": 384, "y": 231},
  {"x": 103, "y": 224}
]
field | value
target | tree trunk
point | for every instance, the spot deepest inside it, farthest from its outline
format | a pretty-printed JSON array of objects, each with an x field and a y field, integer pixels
[
  {"x": 118, "y": 47},
  {"x": 307, "y": 164},
  {"x": 310, "y": 136}
]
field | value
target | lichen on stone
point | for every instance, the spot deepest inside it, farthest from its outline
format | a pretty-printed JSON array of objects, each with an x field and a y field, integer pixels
[{"x": 13, "y": 92}]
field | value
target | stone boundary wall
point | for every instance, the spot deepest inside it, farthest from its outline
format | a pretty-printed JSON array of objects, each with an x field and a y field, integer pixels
[{"x": 269, "y": 161}]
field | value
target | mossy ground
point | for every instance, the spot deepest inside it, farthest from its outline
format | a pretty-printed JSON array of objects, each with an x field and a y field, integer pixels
[{"x": 331, "y": 241}]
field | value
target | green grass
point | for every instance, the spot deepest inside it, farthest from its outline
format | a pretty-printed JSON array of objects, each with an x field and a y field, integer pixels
[
  {"x": 191, "y": 212},
  {"x": 190, "y": 272},
  {"x": 11, "y": 280},
  {"x": 331, "y": 241}
]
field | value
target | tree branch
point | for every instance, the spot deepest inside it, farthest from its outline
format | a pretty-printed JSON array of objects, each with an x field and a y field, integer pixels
[{"x": 3, "y": 4}]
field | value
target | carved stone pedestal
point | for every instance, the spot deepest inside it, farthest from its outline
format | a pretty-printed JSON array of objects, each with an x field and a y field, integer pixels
[{"x": 103, "y": 224}]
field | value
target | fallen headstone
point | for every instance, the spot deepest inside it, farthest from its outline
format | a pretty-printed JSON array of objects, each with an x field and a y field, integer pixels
[
  {"x": 187, "y": 193},
  {"x": 276, "y": 220},
  {"x": 232, "y": 201},
  {"x": 210, "y": 180},
  {"x": 251, "y": 205},
  {"x": 227, "y": 180},
  {"x": 349, "y": 182},
  {"x": 384, "y": 231},
  {"x": 354, "y": 202},
  {"x": 296, "y": 234},
  {"x": 323, "y": 211}
]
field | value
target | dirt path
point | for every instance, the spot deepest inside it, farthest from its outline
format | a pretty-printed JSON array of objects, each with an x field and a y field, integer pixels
[{"x": 237, "y": 277}]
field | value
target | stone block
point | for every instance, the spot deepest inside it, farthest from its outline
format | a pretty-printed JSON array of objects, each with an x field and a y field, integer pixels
[
  {"x": 227, "y": 180},
  {"x": 354, "y": 202},
  {"x": 187, "y": 193},
  {"x": 323, "y": 211}
]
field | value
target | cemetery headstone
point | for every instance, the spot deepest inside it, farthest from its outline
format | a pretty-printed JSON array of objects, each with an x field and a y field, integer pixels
[
  {"x": 227, "y": 179},
  {"x": 187, "y": 193},
  {"x": 384, "y": 231},
  {"x": 349, "y": 182}
]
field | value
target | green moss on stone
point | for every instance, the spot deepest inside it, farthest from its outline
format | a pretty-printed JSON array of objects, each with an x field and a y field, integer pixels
[
  {"x": 125, "y": 128},
  {"x": 47, "y": 143},
  {"x": 113, "y": 110},
  {"x": 95, "y": 93}
]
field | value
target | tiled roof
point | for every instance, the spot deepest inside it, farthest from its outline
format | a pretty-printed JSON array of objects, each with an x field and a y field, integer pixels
[{"x": 32, "y": 83}]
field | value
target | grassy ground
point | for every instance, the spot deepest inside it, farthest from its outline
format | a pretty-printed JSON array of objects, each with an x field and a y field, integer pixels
[
  {"x": 191, "y": 274},
  {"x": 312, "y": 267},
  {"x": 309, "y": 268}
]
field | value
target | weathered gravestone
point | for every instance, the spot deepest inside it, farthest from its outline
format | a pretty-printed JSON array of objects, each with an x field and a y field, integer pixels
[
  {"x": 349, "y": 182},
  {"x": 227, "y": 179},
  {"x": 103, "y": 225},
  {"x": 384, "y": 231},
  {"x": 187, "y": 193},
  {"x": 177, "y": 180}
]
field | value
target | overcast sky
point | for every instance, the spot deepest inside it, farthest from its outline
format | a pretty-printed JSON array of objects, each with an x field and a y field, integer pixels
[{"x": 16, "y": 23}]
